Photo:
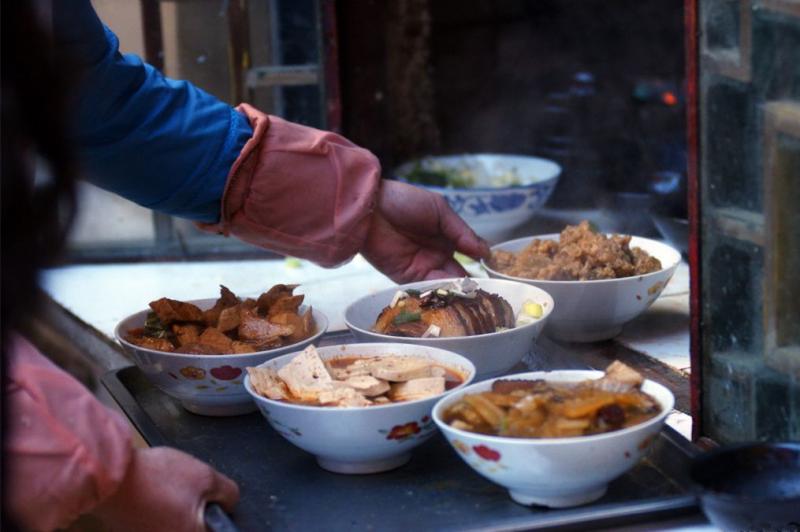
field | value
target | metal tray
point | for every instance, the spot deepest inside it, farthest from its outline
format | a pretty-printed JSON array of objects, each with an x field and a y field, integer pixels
[{"x": 282, "y": 487}]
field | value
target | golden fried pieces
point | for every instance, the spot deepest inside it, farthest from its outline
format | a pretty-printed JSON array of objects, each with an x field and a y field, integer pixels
[
  {"x": 170, "y": 310},
  {"x": 229, "y": 326}
]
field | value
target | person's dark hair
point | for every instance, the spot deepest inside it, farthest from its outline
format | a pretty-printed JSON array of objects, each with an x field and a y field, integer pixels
[
  {"x": 36, "y": 209},
  {"x": 38, "y": 196}
]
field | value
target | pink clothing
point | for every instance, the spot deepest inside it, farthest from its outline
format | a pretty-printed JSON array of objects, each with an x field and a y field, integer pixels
[
  {"x": 300, "y": 191},
  {"x": 64, "y": 451},
  {"x": 293, "y": 189}
]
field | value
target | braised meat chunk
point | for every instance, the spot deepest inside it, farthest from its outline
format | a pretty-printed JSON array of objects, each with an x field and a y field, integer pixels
[{"x": 445, "y": 311}]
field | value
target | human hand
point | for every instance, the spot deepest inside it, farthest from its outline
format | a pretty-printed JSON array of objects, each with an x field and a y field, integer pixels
[
  {"x": 165, "y": 489},
  {"x": 414, "y": 234}
]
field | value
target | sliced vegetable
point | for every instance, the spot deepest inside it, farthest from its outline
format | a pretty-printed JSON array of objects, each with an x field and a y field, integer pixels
[
  {"x": 532, "y": 309},
  {"x": 397, "y": 297},
  {"x": 293, "y": 263},
  {"x": 153, "y": 327},
  {"x": 406, "y": 317},
  {"x": 433, "y": 330},
  {"x": 463, "y": 259}
]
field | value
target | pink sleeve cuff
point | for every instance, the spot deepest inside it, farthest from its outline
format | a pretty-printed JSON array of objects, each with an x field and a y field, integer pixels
[
  {"x": 299, "y": 191},
  {"x": 64, "y": 451}
]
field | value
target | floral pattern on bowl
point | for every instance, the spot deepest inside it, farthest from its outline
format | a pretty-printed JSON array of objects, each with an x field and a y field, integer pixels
[
  {"x": 486, "y": 204},
  {"x": 226, "y": 373},
  {"x": 486, "y": 453},
  {"x": 408, "y": 430},
  {"x": 206, "y": 379},
  {"x": 281, "y": 428}
]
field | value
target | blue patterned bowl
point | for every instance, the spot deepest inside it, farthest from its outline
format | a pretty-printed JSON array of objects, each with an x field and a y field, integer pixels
[{"x": 494, "y": 193}]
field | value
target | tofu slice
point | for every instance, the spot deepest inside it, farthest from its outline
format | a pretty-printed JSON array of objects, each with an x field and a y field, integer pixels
[
  {"x": 417, "y": 389},
  {"x": 343, "y": 396},
  {"x": 623, "y": 374},
  {"x": 367, "y": 385},
  {"x": 399, "y": 369},
  {"x": 359, "y": 367},
  {"x": 306, "y": 375},
  {"x": 266, "y": 382}
]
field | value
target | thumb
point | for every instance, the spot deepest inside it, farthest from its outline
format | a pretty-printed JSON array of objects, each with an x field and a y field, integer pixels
[
  {"x": 456, "y": 230},
  {"x": 222, "y": 490}
]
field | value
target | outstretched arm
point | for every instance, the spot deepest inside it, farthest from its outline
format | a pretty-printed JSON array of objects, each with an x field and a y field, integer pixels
[
  {"x": 162, "y": 143},
  {"x": 289, "y": 188}
]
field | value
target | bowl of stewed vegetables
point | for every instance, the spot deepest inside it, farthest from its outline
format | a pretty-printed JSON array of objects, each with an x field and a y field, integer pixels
[{"x": 555, "y": 438}]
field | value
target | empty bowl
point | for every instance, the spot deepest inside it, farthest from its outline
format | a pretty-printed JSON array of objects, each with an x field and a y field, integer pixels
[
  {"x": 492, "y": 354},
  {"x": 554, "y": 472},
  {"x": 589, "y": 311},
  {"x": 210, "y": 385},
  {"x": 359, "y": 440},
  {"x": 493, "y": 193}
]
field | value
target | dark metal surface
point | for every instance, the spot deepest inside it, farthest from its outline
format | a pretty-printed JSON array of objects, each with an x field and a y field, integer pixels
[
  {"x": 750, "y": 486},
  {"x": 282, "y": 487}
]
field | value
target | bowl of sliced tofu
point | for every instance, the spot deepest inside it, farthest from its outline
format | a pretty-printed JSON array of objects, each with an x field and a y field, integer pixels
[
  {"x": 492, "y": 322},
  {"x": 357, "y": 408}
]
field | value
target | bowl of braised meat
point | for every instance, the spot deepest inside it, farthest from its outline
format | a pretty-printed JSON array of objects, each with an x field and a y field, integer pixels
[
  {"x": 358, "y": 408},
  {"x": 198, "y": 351},
  {"x": 492, "y": 322},
  {"x": 555, "y": 438},
  {"x": 599, "y": 282}
]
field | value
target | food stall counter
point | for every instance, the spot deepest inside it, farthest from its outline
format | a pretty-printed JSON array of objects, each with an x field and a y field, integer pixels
[{"x": 443, "y": 490}]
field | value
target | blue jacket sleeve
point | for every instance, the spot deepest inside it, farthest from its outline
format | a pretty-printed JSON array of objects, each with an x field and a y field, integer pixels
[{"x": 164, "y": 144}]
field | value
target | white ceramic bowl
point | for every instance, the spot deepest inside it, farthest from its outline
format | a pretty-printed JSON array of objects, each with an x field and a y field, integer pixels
[
  {"x": 492, "y": 354},
  {"x": 494, "y": 210},
  {"x": 589, "y": 311},
  {"x": 362, "y": 439},
  {"x": 554, "y": 472},
  {"x": 210, "y": 385}
]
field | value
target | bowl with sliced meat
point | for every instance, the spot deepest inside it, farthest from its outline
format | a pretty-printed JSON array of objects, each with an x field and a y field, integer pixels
[
  {"x": 197, "y": 351},
  {"x": 555, "y": 438},
  {"x": 358, "y": 408},
  {"x": 492, "y": 322}
]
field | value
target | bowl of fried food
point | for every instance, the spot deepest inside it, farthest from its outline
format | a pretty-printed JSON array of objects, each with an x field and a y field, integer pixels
[
  {"x": 358, "y": 408},
  {"x": 492, "y": 322},
  {"x": 599, "y": 282},
  {"x": 555, "y": 438},
  {"x": 198, "y": 351}
]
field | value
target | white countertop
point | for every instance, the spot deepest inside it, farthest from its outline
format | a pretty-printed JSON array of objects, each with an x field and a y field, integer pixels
[{"x": 102, "y": 295}]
